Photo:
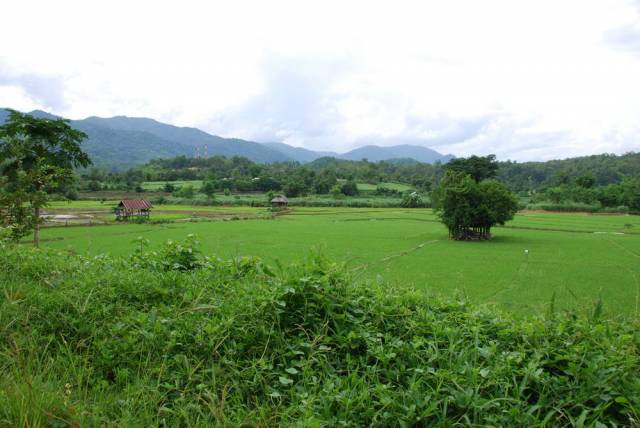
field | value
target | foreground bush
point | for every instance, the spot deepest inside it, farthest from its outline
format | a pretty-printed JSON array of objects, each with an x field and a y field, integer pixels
[{"x": 172, "y": 338}]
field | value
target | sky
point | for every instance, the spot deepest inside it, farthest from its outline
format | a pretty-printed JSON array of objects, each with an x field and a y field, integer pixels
[{"x": 525, "y": 80}]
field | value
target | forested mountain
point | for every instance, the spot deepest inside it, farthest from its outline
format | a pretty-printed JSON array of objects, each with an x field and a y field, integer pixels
[
  {"x": 121, "y": 149},
  {"x": 300, "y": 154},
  {"x": 120, "y": 142},
  {"x": 4, "y": 114},
  {"x": 403, "y": 151},
  {"x": 118, "y": 149},
  {"x": 604, "y": 168},
  {"x": 190, "y": 140}
]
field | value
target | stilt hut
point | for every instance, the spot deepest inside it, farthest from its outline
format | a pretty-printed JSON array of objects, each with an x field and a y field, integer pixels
[
  {"x": 279, "y": 203},
  {"x": 137, "y": 208}
]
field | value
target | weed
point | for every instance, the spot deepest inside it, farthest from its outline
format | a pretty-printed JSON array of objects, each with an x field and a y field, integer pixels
[{"x": 173, "y": 338}]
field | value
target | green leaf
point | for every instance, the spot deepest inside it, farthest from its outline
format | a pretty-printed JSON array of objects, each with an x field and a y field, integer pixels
[
  {"x": 285, "y": 380},
  {"x": 581, "y": 419}
]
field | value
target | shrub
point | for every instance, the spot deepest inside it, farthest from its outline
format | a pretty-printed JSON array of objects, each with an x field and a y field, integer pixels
[
  {"x": 412, "y": 200},
  {"x": 386, "y": 191},
  {"x": 160, "y": 200},
  {"x": 350, "y": 188},
  {"x": 71, "y": 194},
  {"x": 566, "y": 207},
  {"x": 186, "y": 192},
  {"x": 293, "y": 189},
  {"x": 174, "y": 255}
]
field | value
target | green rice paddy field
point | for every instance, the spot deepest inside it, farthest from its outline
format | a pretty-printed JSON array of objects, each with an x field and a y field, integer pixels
[{"x": 578, "y": 258}]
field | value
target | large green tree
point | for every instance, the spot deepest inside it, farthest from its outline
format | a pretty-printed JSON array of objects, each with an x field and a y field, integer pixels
[
  {"x": 478, "y": 167},
  {"x": 470, "y": 209},
  {"x": 36, "y": 155},
  {"x": 631, "y": 193}
]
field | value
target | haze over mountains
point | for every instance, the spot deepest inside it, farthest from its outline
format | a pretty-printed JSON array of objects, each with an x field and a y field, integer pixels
[{"x": 121, "y": 142}]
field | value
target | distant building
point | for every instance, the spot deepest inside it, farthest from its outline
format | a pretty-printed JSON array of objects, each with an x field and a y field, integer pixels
[
  {"x": 279, "y": 202},
  {"x": 128, "y": 208}
]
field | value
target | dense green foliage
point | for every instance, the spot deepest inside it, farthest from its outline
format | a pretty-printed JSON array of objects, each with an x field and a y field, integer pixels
[
  {"x": 599, "y": 182},
  {"x": 477, "y": 167},
  {"x": 470, "y": 207},
  {"x": 572, "y": 194},
  {"x": 36, "y": 155},
  {"x": 605, "y": 169},
  {"x": 173, "y": 338}
]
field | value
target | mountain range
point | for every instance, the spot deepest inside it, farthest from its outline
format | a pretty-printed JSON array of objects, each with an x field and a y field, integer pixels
[{"x": 121, "y": 142}]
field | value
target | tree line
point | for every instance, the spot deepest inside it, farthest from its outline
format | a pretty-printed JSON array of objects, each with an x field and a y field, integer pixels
[{"x": 242, "y": 175}]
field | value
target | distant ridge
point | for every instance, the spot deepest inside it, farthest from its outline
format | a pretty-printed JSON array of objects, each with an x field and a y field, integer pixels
[
  {"x": 372, "y": 153},
  {"x": 121, "y": 142},
  {"x": 403, "y": 151},
  {"x": 300, "y": 154}
]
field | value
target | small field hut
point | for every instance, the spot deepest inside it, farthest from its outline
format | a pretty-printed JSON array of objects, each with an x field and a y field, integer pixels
[
  {"x": 279, "y": 202},
  {"x": 128, "y": 208}
]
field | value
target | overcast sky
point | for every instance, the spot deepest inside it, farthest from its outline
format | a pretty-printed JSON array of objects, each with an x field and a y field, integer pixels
[{"x": 527, "y": 80}]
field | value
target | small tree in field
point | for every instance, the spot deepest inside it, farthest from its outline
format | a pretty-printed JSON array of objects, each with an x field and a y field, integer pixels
[
  {"x": 35, "y": 154},
  {"x": 470, "y": 209},
  {"x": 209, "y": 189}
]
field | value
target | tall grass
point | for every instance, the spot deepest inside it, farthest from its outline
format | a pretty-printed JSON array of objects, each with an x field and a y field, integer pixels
[
  {"x": 173, "y": 338},
  {"x": 308, "y": 201},
  {"x": 576, "y": 207}
]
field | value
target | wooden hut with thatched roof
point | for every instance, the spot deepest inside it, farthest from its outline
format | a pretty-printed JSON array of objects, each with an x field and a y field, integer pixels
[
  {"x": 280, "y": 202},
  {"x": 137, "y": 208}
]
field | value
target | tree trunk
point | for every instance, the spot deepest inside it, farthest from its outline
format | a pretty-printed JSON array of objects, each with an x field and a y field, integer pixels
[{"x": 36, "y": 229}]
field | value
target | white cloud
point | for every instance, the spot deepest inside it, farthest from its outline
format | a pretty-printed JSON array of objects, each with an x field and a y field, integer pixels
[
  {"x": 16, "y": 98},
  {"x": 526, "y": 80}
]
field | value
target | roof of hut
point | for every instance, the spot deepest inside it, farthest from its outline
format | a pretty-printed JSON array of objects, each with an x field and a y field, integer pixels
[
  {"x": 280, "y": 200},
  {"x": 135, "y": 204}
]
